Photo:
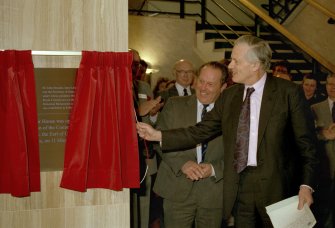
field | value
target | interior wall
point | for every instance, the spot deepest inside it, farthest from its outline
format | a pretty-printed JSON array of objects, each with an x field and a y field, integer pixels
[
  {"x": 162, "y": 42},
  {"x": 310, "y": 25},
  {"x": 55, "y": 207},
  {"x": 74, "y": 25}
]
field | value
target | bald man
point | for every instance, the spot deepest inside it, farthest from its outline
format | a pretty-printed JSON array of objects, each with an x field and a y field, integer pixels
[{"x": 183, "y": 71}]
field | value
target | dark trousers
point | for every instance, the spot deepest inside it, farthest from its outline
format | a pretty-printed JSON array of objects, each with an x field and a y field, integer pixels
[
  {"x": 249, "y": 209},
  {"x": 324, "y": 201}
]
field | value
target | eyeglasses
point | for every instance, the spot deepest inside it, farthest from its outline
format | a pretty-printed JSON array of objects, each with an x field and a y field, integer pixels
[{"x": 184, "y": 71}]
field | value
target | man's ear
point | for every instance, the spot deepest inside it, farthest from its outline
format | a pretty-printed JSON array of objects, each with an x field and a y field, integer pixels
[
  {"x": 224, "y": 85},
  {"x": 256, "y": 66}
]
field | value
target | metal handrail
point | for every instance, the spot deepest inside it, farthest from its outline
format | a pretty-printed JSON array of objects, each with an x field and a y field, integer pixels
[
  {"x": 232, "y": 30},
  {"x": 220, "y": 33},
  {"x": 242, "y": 10},
  {"x": 289, "y": 35},
  {"x": 164, "y": 12},
  {"x": 221, "y": 7}
]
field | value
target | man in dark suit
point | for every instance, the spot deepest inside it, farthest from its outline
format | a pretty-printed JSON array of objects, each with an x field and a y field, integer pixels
[
  {"x": 277, "y": 107},
  {"x": 183, "y": 71},
  {"x": 187, "y": 200}
]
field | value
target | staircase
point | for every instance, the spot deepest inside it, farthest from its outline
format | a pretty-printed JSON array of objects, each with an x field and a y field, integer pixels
[
  {"x": 216, "y": 43},
  {"x": 282, "y": 50},
  {"x": 280, "y": 10}
]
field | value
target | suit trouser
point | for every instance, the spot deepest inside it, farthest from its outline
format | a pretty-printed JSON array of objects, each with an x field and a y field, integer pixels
[
  {"x": 140, "y": 206},
  {"x": 249, "y": 209},
  {"x": 324, "y": 201},
  {"x": 183, "y": 214}
]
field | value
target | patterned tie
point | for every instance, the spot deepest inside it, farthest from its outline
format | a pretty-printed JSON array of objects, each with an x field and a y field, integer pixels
[
  {"x": 242, "y": 138},
  {"x": 203, "y": 145},
  {"x": 185, "y": 92},
  {"x": 333, "y": 112}
]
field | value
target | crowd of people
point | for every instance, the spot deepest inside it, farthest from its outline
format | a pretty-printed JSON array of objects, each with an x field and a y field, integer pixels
[{"x": 222, "y": 142}]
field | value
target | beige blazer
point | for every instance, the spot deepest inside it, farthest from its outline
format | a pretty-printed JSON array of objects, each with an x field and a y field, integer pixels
[{"x": 323, "y": 118}]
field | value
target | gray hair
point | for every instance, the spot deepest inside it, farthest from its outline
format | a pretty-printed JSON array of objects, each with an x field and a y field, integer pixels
[{"x": 259, "y": 50}]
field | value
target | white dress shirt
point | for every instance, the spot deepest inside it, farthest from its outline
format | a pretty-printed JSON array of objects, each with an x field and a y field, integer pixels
[
  {"x": 180, "y": 89},
  {"x": 255, "y": 109},
  {"x": 200, "y": 107}
]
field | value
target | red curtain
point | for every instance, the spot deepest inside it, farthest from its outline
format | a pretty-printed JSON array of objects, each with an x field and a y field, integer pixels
[
  {"x": 19, "y": 149},
  {"x": 101, "y": 147}
]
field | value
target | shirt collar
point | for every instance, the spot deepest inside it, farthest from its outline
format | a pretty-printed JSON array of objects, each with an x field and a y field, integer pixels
[
  {"x": 330, "y": 102},
  {"x": 259, "y": 85},
  {"x": 201, "y": 106},
  {"x": 181, "y": 88}
]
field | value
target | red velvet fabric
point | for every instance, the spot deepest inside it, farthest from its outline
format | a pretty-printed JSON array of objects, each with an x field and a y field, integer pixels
[
  {"x": 101, "y": 147},
  {"x": 19, "y": 148}
]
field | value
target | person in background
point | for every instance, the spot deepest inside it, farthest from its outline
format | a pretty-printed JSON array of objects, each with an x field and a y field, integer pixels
[
  {"x": 254, "y": 117},
  {"x": 183, "y": 71},
  {"x": 324, "y": 113},
  {"x": 170, "y": 84},
  {"x": 229, "y": 80},
  {"x": 142, "y": 72},
  {"x": 160, "y": 85},
  {"x": 187, "y": 201},
  {"x": 310, "y": 87},
  {"x": 145, "y": 106},
  {"x": 281, "y": 69}
]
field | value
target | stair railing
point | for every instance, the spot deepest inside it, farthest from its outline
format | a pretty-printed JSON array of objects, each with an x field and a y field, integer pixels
[
  {"x": 258, "y": 13},
  {"x": 231, "y": 16},
  {"x": 289, "y": 35}
]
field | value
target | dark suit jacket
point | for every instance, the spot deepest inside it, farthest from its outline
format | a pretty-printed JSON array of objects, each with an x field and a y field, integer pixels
[
  {"x": 283, "y": 109},
  {"x": 171, "y": 92},
  {"x": 171, "y": 183}
]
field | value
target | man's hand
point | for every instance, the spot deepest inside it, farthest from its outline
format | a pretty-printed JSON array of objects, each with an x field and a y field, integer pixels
[
  {"x": 329, "y": 133},
  {"x": 146, "y": 106},
  {"x": 207, "y": 168},
  {"x": 193, "y": 170},
  {"x": 155, "y": 109},
  {"x": 147, "y": 132},
  {"x": 305, "y": 196}
]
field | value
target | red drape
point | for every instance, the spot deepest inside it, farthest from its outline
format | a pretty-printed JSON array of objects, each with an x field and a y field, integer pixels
[
  {"x": 19, "y": 149},
  {"x": 101, "y": 147}
]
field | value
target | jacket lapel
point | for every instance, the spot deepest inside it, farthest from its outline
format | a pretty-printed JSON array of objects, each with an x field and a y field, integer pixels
[
  {"x": 235, "y": 109},
  {"x": 192, "y": 109},
  {"x": 173, "y": 92},
  {"x": 268, "y": 101}
]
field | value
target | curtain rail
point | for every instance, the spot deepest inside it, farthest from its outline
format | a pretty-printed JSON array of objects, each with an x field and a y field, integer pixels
[{"x": 57, "y": 53}]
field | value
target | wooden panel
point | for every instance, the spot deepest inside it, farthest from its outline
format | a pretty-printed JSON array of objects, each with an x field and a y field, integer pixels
[
  {"x": 97, "y": 216},
  {"x": 100, "y": 25},
  {"x": 72, "y": 25},
  {"x": 57, "y": 207}
]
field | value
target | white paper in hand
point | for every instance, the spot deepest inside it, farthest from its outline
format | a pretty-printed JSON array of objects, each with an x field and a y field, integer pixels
[{"x": 285, "y": 214}]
